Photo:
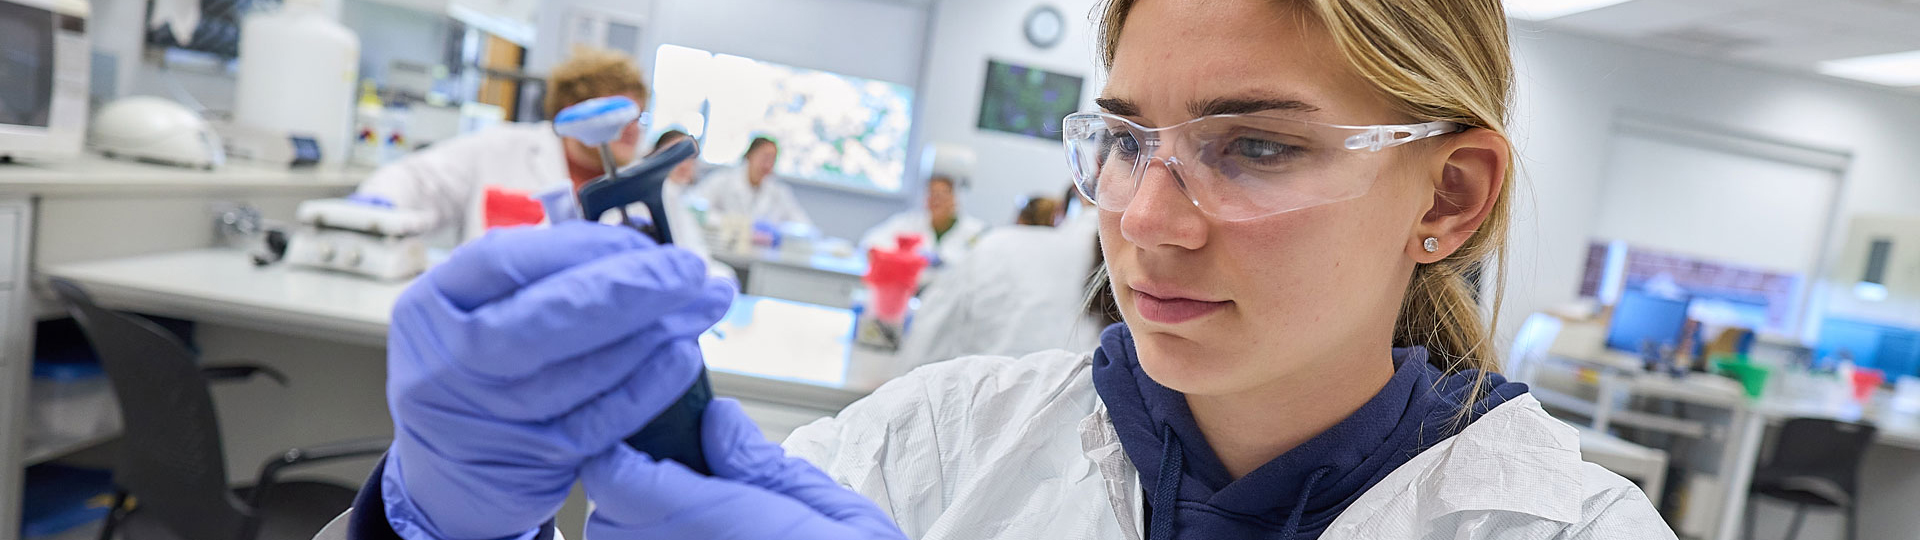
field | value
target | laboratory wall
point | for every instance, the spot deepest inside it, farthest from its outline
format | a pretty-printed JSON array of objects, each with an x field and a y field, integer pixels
[
  {"x": 1572, "y": 90},
  {"x": 390, "y": 32},
  {"x": 552, "y": 41},
  {"x": 968, "y": 33},
  {"x": 116, "y": 28}
]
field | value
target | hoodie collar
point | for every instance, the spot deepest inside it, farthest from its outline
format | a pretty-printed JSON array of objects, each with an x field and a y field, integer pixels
[{"x": 1298, "y": 493}]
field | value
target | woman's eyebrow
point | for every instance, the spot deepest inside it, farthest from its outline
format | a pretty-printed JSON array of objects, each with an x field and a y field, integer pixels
[
  {"x": 1243, "y": 105},
  {"x": 1118, "y": 106},
  {"x": 1247, "y": 106}
]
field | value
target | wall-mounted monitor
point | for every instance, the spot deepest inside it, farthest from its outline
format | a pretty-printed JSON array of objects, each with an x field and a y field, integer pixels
[
  {"x": 832, "y": 128},
  {"x": 1027, "y": 101}
]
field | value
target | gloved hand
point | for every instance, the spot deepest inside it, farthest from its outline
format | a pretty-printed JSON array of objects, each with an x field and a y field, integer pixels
[
  {"x": 524, "y": 354},
  {"x": 756, "y": 492}
]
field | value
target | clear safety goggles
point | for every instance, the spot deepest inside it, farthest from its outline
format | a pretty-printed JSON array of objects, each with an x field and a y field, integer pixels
[{"x": 1234, "y": 167}]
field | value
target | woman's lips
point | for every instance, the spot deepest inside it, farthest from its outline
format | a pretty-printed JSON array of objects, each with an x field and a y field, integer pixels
[{"x": 1174, "y": 310}]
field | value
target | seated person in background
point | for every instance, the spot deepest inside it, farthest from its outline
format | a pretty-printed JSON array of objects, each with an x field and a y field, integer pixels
[
  {"x": 1039, "y": 211},
  {"x": 687, "y": 231},
  {"x": 1023, "y": 289},
  {"x": 684, "y": 175},
  {"x": 943, "y": 230},
  {"x": 753, "y": 191},
  {"x": 467, "y": 184}
]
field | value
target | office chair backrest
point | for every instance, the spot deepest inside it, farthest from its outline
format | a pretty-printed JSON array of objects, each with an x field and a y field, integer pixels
[
  {"x": 1639, "y": 317},
  {"x": 1821, "y": 448},
  {"x": 171, "y": 462}
]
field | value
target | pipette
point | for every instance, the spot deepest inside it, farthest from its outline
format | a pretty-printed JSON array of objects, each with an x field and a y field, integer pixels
[{"x": 675, "y": 434}]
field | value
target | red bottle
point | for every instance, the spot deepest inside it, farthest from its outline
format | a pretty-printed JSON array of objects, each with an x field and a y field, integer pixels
[{"x": 893, "y": 275}]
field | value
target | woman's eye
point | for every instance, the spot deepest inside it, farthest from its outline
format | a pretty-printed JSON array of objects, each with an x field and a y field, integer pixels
[
  {"x": 1260, "y": 150},
  {"x": 1125, "y": 146}
]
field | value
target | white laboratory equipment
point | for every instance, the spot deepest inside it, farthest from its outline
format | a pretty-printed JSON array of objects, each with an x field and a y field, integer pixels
[
  {"x": 47, "y": 68},
  {"x": 155, "y": 130},
  {"x": 347, "y": 236},
  {"x": 297, "y": 72}
]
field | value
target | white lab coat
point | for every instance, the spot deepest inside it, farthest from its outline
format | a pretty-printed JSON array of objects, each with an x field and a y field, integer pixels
[
  {"x": 448, "y": 181},
  {"x": 951, "y": 249},
  {"x": 1021, "y": 290},
  {"x": 996, "y": 447},
  {"x": 728, "y": 192},
  {"x": 560, "y": 203},
  {"x": 687, "y": 231},
  {"x": 1018, "y": 448}
]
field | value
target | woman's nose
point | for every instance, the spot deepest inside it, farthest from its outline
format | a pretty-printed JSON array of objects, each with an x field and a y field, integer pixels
[{"x": 1161, "y": 213}]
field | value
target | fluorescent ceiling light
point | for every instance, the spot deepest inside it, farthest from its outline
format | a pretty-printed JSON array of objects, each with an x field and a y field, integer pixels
[
  {"x": 1871, "y": 292},
  {"x": 1897, "y": 69},
  {"x": 1540, "y": 10}
]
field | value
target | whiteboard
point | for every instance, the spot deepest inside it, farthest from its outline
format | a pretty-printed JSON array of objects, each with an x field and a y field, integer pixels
[{"x": 1715, "y": 204}]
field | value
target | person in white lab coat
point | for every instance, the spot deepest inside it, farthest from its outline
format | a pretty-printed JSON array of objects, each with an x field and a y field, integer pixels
[
  {"x": 1289, "y": 194},
  {"x": 1024, "y": 289},
  {"x": 687, "y": 230},
  {"x": 472, "y": 183},
  {"x": 945, "y": 233},
  {"x": 752, "y": 190}
]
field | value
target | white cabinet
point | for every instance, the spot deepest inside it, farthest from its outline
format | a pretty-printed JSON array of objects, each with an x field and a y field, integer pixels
[{"x": 16, "y": 357}]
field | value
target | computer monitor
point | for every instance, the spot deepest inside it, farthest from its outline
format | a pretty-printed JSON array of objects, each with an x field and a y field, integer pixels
[
  {"x": 44, "y": 71},
  {"x": 1641, "y": 317}
]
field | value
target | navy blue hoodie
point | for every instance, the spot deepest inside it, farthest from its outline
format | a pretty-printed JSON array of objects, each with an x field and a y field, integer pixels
[{"x": 1297, "y": 495}]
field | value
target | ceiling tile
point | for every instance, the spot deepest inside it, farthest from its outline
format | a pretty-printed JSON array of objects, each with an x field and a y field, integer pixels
[
  {"x": 1875, "y": 15},
  {"x": 1792, "y": 34},
  {"x": 1644, "y": 16},
  {"x": 1775, "y": 27}
]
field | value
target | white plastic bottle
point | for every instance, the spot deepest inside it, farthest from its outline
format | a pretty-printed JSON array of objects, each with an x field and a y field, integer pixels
[{"x": 297, "y": 72}]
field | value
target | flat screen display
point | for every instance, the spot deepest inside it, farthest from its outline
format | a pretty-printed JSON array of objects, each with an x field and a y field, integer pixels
[
  {"x": 26, "y": 65},
  {"x": 831, "y": 128},
  {"x": 1027, "y": 101},
  {"x": 215, "y": 26}
]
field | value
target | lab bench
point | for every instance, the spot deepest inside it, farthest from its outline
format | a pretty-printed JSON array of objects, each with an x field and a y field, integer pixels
[
  {"x": 780, "y": 385},
  {"x": 91, "y": 207},
  {"x": 823, "y": 277},
  {"x": 1616, "y": 377},
  {"x": 224, "y": 287}
]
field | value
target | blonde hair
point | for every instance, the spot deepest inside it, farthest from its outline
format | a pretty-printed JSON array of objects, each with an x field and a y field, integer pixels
[
  {"x": 1435, "y": 60},
  {"x": 592, "y": 73}
]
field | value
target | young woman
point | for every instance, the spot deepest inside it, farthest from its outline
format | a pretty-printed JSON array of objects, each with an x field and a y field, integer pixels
[{"x": 1288, "y": 191}]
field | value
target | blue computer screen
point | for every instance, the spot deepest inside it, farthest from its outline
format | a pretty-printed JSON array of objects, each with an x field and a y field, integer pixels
[{"x": 1640, "y": 317}]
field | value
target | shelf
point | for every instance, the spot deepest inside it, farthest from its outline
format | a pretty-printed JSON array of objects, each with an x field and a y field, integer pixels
[
  {"x": 89, "y": 409},
  {"x": 94, "y": 175},
  {"x": 38, "y": 452},
  {"x": 1626, "y": 418}
]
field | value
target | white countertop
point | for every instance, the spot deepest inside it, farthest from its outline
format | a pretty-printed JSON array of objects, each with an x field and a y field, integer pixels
[
  {"x": 95, "y": 174},
  {"x": 221, "y": 286}
]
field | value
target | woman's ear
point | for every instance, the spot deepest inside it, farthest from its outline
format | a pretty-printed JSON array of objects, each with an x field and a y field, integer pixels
[{"x": 1466, "y": 183}]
